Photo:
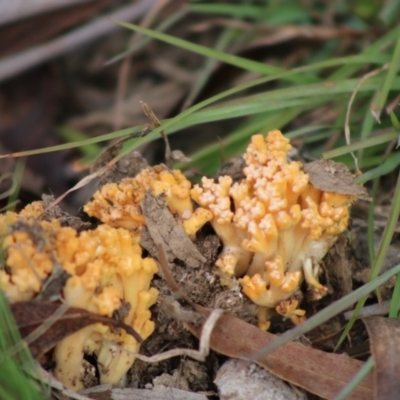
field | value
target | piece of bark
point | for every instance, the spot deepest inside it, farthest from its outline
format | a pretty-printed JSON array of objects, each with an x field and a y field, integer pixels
[{"x": 162, "y": 229}]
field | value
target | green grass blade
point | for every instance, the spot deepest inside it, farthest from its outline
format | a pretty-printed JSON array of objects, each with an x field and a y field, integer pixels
[
  {"x": 395, "y": 300},
  {"x": 389, "y": 165},
  {"x": 70, "y": 134},
  {"x": 390, "y": 75},
  {"x": 231, "y": 59},
  {"x": 15, "y": 383},
  {"x": 168, "y": 23},
  {"x": 363, "y": 144},
  {"x": 72, "y": 145},
  {"x": 185, "y": 118},
  {"x": 360, "y": 375},
  {"x": 371, "y": 220},
  {"x": 395, "y": 122},
  {"x": 224, "y": 40},
  {"x": 348, "y": 70},
  {"x": 237, "y": 10}
]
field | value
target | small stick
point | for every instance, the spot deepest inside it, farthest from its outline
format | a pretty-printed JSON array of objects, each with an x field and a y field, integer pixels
[{"x": 155, "y": 123}]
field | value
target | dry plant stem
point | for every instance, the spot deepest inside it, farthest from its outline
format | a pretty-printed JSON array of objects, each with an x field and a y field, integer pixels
[
  {"x": 83, "y": 182},
  {"x": 347, "y": 121},
  {"x": 14, "y": 65},
  {"x": 393, "y": 104},
  {"x": 155, "y": 124},
  {"x": 126, "y": 64},
  {"x": 271, "y": 35},
  {"x": 204, "y": 346},
  {"x": 372, "y": 310}
]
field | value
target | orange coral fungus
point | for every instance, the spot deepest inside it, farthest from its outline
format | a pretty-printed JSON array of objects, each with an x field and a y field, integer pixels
[
  {"x": 118, "y": 204},
  {"x": 106, "y": 271},
  {"x": 275, "y": 226}
]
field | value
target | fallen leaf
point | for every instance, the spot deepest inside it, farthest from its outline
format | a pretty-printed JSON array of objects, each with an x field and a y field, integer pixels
[
  {"x": 30, "y": 316},
  {"x": 330, "y": 176},
  {"x": 384, "y": 335},
  {"x": 318, "y": 372}
]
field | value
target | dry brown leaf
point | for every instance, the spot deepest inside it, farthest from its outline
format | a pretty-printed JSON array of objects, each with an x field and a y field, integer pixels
[
  {"x": 330, "y": 176},
  {"x": 384, "y": 334},
  {"x": 321, "y": 373},
  {"x": 31, "y": 315}
]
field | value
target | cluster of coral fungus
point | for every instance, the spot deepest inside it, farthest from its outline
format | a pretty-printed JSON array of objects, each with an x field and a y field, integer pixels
[
  {"x": 275, "y": 227},
  {"x": 105, "y": 271}
]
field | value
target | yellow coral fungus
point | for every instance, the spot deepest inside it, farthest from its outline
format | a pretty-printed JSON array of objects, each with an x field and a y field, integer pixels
[
  {"x": 275, "y": 225},
  {"x": 106, "y": 271},
  {"x": 118, "y": 204},
  {"x": 28, "y": 254}
]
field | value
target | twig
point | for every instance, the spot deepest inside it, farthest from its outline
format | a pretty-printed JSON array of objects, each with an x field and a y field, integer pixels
[
  {"x": 155, "y": 123},
  {"x": 15, "y": 64},
  {"x": 371, "y": 310}
]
